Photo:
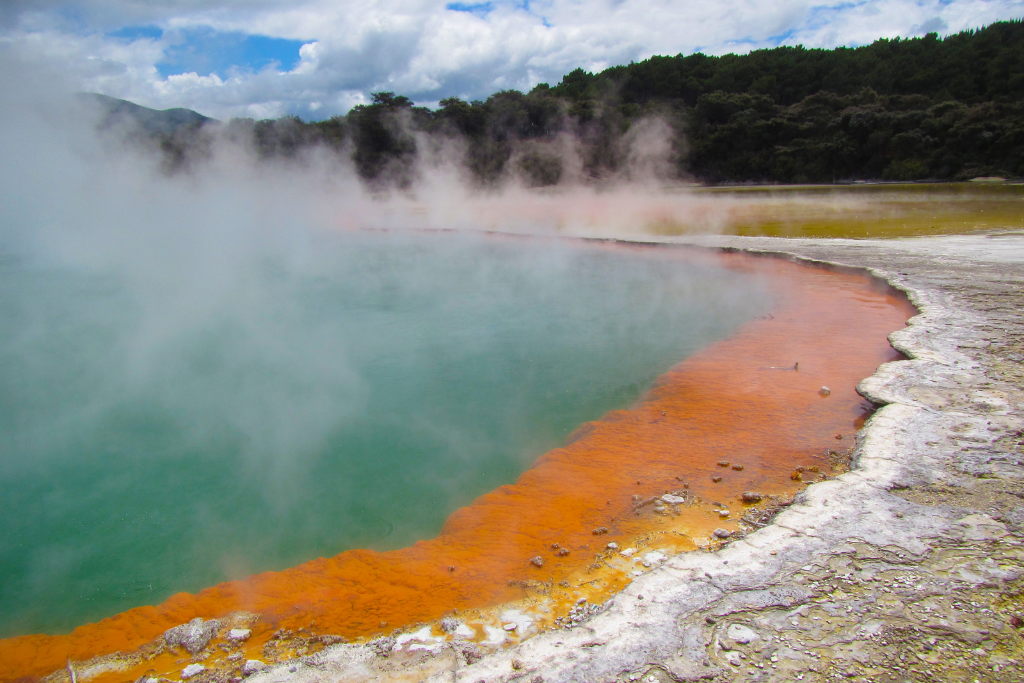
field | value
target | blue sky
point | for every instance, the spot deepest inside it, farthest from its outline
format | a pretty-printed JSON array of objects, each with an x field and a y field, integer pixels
[
  {"x": 206, "y": 51},
  {"x": 317, "y": 58}
]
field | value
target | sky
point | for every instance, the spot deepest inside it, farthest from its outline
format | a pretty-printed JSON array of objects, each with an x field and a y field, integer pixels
[{"x": 318, "y": 58}]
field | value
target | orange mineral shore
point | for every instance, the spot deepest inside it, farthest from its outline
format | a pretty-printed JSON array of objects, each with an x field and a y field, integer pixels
[{"x": 754, "y": 400}]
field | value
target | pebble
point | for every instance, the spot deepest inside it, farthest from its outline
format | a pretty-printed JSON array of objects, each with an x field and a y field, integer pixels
[
  {"x": 751, "y": 497},
  {"x": 239, "y": 634},
  {"x": 537, "y": 561},
  {"x": 192, "y": 636},
  {"x": 612, "y": 546},
  {"x": 673, "y": 500},
  {"x": 511, "y": 626},
  {"x": 652, "y": 558},
  {"x": 716, "y": 479},
  {"x": 722, "y": 533},
  {"x": 253, "y": 666},
  {"x": 192, "y": 670},
  {"x": 723, "y": 463},
  {"x": 741, "y": 634},
  {"x": 723, "y": 513}
]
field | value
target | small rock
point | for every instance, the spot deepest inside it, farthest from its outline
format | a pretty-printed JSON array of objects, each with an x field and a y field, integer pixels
[
  {"x": 237, "y": 635},
  {"x": 751, "y": 497},
  {"x": 733, "y": 658},
  {"x": 537, "y": 561},
  {"x": 612, "y": 546},
  {"x": 600, "y": 530},
  {"x": 824, "y": 391},
  {"x": 253, "y": 666},
  {"x": 562, "y": 552},
  {"x": 716, "y": 479},
  {"x": 723, "y": 463},
  {"x": 511, "y": 626},
  {"x": 741, "y": 634},
  {"x": 652, "y": 558},
  {"x": 723, "y": 513},
  {"x": 192, "y": 670},
  {"x": 627, "y": 552},
  {"x": 234, "y": 656},
  {"x": 450, "y": 624},
  {"x": 738, "y": 468},
  {"x": 722, "y": 533},
  {"x": 796, "y": 476},
  {"x": 673, "y": 500},
  {"x": 517, "y": 665},
  {"x": 192, "y": 636}
]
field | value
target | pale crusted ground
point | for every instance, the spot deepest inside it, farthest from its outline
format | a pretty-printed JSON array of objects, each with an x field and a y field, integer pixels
[{"x": 908, "y": 568}]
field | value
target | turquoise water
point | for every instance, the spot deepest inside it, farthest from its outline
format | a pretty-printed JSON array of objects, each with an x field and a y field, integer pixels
[{"x": 165, "y": 429}]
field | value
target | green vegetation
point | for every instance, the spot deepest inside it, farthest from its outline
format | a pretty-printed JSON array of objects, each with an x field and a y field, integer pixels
[{"x": 950, "y": 108}]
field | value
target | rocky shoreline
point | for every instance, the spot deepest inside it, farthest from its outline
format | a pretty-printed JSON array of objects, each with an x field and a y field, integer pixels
[{"x": 908, "y": 567}]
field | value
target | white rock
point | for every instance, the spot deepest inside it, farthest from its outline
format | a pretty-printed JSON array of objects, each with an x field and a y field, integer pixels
[
  {"x": 239, "y": 634},
  {"x": 627, "y": 552},
  {"x": 464, "y": 631},
  {"x": 733, "y": 658},
  {"x": 509, "y": 627},
  {"x": 673, "y": 500},
  {"x": 741, "y": 634},
  {"x": 652, "y": 558},
  {"x": 192, "y": 636},
  {"x": 612, "y": 546},
  {"x": 495, "y": 636},
  {"x": 253, "y": 666},
  {"x": 192, "y": 670}
]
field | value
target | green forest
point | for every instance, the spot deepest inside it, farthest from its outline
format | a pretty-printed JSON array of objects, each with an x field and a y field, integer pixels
[{"x": 904, "y": 109}]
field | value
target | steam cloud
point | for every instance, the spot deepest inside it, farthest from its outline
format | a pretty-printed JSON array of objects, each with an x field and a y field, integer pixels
[{"x": 160, "y": 313}]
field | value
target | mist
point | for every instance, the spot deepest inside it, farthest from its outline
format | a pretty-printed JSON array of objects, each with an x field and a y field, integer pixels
[{"x": 249, "y": 363}]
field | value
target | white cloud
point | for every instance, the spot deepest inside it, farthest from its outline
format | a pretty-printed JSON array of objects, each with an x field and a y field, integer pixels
[{"x": 421, "y": 49}]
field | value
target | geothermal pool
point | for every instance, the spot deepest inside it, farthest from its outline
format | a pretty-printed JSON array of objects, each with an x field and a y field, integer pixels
[
  {"x": 425, "y": 371},
  {"x": 162, "y": 433}
]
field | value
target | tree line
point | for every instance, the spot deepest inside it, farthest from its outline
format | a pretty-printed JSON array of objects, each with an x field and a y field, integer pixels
[{"x": 901, "y": 109}]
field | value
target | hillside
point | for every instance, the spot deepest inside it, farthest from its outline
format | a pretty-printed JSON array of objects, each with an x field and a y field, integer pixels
[{"x": 946, "y": 109}]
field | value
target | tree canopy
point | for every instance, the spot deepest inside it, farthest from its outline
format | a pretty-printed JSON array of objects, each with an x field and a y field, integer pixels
[{"x": 900, "y": 109}]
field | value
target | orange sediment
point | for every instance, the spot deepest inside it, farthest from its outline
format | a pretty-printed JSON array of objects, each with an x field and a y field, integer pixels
[{"x": 738, "y": 400}]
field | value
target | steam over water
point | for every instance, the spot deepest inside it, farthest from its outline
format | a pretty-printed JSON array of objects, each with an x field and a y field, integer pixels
[{"x": 162, "y": 431}]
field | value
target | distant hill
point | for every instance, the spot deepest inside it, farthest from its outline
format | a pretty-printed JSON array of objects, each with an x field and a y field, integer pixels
[
  {"x": 936, "y": 108},
  {"x": 153, "y": 121}
]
